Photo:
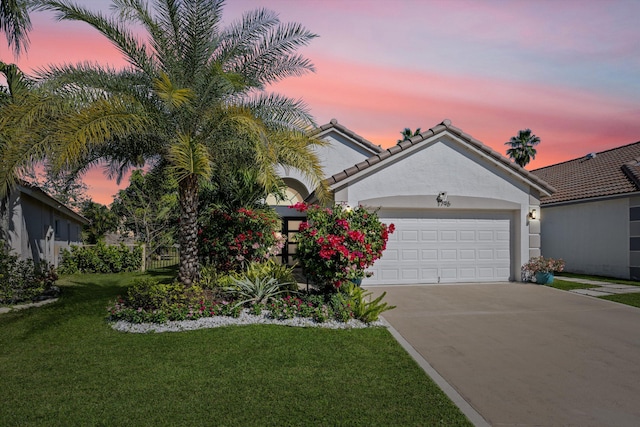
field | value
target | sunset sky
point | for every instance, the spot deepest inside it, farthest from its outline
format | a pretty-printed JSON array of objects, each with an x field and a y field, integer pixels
[{"x": 569, "y": 70}]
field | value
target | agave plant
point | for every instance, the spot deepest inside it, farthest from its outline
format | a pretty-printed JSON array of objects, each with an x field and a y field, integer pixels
[{"x": 258, "y": 291}]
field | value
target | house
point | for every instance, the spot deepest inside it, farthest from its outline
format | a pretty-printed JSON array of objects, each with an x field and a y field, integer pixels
[
  {"x": 462, "y": 212},
  {"x": 37, "y": 226},
  {"x": 593, "y": 219}
]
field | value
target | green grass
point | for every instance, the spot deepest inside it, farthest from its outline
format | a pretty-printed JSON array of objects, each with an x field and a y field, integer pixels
[
  {"x": 62, "y": 364},
  {"x": 599, "y": 278},
  {"x": 628, "y": 299},
  {"x": 558, "y": 283}
]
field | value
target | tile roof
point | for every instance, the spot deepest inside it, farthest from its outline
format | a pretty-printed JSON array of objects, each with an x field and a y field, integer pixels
[
  {"x": 607, "y": 173},
  {"x": 442, "y": 127},
  {"x": 333, "y": 124}
]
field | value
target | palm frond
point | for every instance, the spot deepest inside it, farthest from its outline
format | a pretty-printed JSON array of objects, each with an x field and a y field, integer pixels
[
  {"x": 134, "y": 51},
  {"x": 279, "y": 112},
  {"x": 189, "y": 158},
  {"x": 16, "y": 24},
  {"x": 169, "y": 93}
]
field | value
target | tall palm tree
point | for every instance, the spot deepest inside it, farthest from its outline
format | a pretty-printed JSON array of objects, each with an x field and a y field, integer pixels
[
  {"x": 15, "y": 23},
  {"x": 407, "y": 134},
  {"x": 194, "y": 91},
  {"x": 522, "y": 149}
]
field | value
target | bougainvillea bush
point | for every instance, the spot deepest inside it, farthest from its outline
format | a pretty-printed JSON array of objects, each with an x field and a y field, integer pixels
[
  {"x": 229, "y": 240},
  {"x": 337, "y": 244}
]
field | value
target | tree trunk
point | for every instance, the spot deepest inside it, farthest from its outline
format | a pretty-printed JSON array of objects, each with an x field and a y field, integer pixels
[{"x": 188, "y": 230}]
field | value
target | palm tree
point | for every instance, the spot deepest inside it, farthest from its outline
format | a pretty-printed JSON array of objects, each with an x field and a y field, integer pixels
[
  {"x": 15, "y": 23},
  {"x": 407, "y": 134},
  {"x": 193, "y": 92},
  {"x": 522, "y": 149}
]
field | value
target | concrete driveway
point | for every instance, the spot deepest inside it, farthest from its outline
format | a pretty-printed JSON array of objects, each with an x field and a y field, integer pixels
[{"x": 526, "y": 355}]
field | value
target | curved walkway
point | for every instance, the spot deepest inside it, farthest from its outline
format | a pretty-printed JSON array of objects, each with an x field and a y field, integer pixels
[{"x": 522, "y": 354}]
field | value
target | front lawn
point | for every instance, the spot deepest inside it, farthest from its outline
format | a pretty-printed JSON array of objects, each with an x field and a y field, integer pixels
[
  {"x": 628, "y": 299},
  {"x": 62, "y": 364},
  {"x": 558, "y": 283},
  {"x": 599, "y": 279}
]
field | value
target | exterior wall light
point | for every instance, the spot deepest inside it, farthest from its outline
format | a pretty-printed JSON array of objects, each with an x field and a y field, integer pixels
[{"x": 533, "y": 214}]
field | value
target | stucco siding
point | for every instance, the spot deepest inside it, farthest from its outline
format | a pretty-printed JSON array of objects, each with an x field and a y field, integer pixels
[
  {"x": 339, "y": 154},
  {"x": 471, "y": 182},
  {"x": 441, "y": 166},
  {"x": 592, "y": 237}
]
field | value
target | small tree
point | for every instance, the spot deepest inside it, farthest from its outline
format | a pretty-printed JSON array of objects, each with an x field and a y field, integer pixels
[
  {"x": 522, "y": 149},
  {"x": 101, "y": 221},
  {"x": 149, "y": 208}
]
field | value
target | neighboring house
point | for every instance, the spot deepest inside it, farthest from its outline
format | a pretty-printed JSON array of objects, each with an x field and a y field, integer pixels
[
  {"x": 593, "y": 220},
  {"x": 37, "y": 226},
  {"x": 461, "y": 210}
]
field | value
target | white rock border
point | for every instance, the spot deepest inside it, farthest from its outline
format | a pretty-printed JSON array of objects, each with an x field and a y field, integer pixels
[{"x": 245, "y": 318}]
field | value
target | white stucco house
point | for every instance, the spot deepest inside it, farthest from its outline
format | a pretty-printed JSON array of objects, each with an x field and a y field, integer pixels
[
  {"x": 462, "y": 212},
  {"x": 593, "y": 219},
  {"x": 36, "y": 226}
]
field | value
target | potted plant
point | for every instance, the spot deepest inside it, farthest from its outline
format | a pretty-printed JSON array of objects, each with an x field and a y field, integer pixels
[{"x": 542, "y": 269}]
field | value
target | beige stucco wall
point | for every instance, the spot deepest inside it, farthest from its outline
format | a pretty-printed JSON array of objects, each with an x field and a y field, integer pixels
[
  {"x": 592, "y": 237},
  {"x": 472, "y": 182},
  {"x": 339, "y": 154}
]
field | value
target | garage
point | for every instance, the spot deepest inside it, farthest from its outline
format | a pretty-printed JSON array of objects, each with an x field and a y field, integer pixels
[
  {"x": 462, "y": 212},
  {"x": 432, "y": 246}
]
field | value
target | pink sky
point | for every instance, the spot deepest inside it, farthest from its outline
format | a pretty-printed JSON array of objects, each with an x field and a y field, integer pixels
[{"x": 566, "y": 69}]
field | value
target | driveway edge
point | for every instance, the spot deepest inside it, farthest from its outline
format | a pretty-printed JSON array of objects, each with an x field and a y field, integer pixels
[{"x": 464, "y": 406}]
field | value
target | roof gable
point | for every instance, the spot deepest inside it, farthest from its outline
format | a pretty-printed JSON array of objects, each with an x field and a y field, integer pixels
[
  {"x": 333, "y": 125},
  {"x": 391, "y": 153},
  {"x": 606, "y": 173},
  {"x": 39, "y": 194}
]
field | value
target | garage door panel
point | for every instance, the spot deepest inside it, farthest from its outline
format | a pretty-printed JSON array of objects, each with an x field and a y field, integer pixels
[
  {"x": 429, "y": 255},
  {"x": 409, "y": 254},
  {"x": 448, "y": 254},
  {"x": 449, "y": 235},
  {"x": 410, "y": 274},
  {"x": 429, "y": 275},
  {"x": 442, "y": 250},
  {"x": 429, "y": 236},
  {"x": 467, "y": 236},
  {"x": 409, "y": 235},
  {"x": 467, "y": 254}
]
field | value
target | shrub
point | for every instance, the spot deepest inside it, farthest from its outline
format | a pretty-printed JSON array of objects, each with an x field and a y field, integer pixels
[
  {"x": 363, "y": 307},
  {"x": 230, "y": 240},
  {"x": 210, "y": 278},
  {"x": 257, "y": 291},
  {"x": 149, "y": 294},
  {"x": 100, "y": 259},
  {"x": 23, "y": 279},
  {"x": 336, "y": 245}
]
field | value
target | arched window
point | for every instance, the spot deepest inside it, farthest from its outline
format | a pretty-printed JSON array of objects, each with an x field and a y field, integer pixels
[{"x": 294, "y": 193}]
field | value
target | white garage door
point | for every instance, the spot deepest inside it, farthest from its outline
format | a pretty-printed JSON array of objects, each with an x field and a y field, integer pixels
[{"x": 437, "y": 247}]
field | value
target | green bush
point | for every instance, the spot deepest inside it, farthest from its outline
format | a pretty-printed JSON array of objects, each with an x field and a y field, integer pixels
[
  {"x": 210, "y": 278},
  {"x": 23, "y": 279},
  {"x": 229, "y": 240},
  {"x": 100, "y": 259},
  {"x": 257, "y": 291},
  {"x": 360, "y": 303},
  {"x": 336, "y": 245},
  {"x": 149, "y": 294}
]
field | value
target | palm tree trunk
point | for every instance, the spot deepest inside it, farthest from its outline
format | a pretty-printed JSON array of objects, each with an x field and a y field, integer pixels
[{"x": 188, "y": 230}]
